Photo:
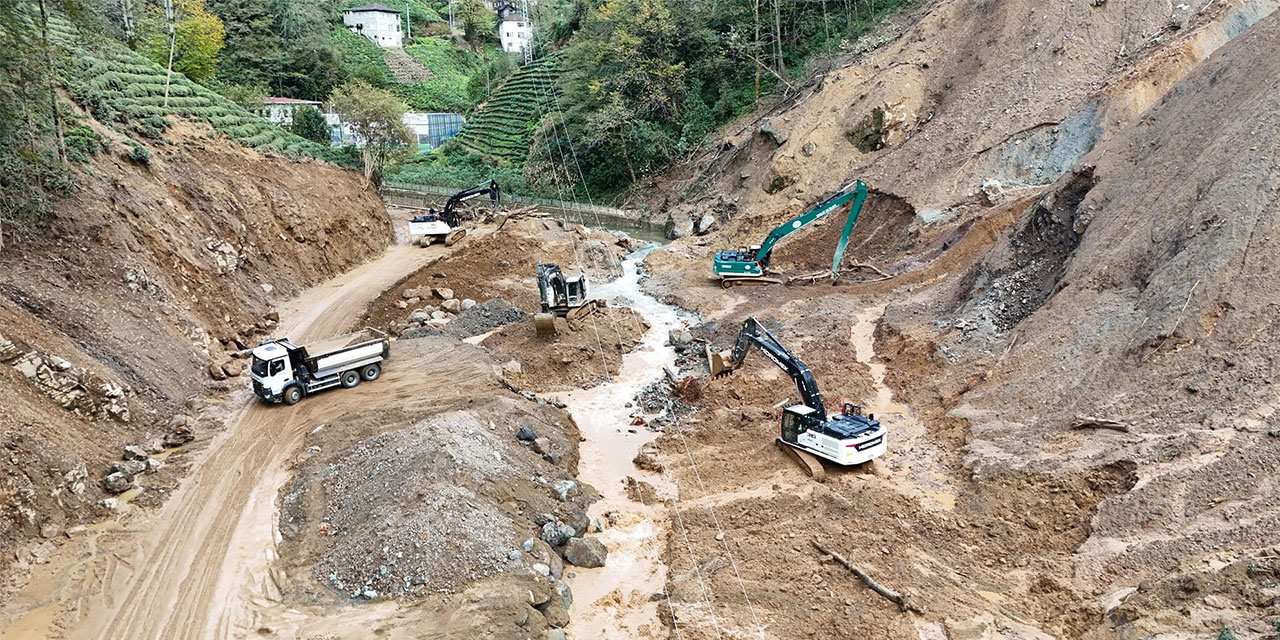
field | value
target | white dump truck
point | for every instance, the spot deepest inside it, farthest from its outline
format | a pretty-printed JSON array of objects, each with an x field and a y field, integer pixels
[{"x": 285, "y": 372}]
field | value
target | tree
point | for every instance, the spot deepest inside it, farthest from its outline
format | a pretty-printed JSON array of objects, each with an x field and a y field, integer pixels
[
  {"x": 310, "y": 124},
  {"x": 477, "y": 22},
  {"x": 198, "y": 38},
  {"x": 376, "y": 117}
]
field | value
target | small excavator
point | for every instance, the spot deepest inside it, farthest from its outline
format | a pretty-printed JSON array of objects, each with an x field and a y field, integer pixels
[
  {"x": 562, "y": 296},
  {"x": 847, "y": 438},
  {"x": 749, "y": 265},
  {"x": 444, "y": 224}
]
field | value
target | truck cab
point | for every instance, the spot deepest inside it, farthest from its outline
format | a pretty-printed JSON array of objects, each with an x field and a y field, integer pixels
[{"x": 271, "y": 370}]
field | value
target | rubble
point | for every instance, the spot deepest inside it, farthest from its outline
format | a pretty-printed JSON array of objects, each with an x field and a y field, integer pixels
[{"x": 585, "y": 552}]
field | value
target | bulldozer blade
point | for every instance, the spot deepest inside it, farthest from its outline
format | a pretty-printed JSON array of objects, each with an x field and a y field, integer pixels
[
  {"x": 453, "y": 237},
  {"x": 544, "y": 324},
  {"x": 718, "y": 361},
  {"x": 808, "y": 462}
]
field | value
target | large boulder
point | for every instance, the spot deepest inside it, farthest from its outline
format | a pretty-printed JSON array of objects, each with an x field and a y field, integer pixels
[
  {"x": 769, "y": 127},
  {"x": 706, "y": 224},
  {"x": 585, "y": 552},
  {"x": 555, "y": 535},
  {"x": 565, "y": 489},
  {"x": 117, "y": 482},
  {"x": 577, "y": 518},
  {"x": 679, "y": 224}
]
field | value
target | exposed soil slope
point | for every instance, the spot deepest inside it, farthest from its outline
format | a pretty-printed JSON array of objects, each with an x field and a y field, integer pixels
[
  {"x": 144, "y": 277},
  {"x": 1144, "y": 281}
]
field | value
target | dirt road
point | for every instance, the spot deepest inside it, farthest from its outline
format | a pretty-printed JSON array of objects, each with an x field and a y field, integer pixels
[{"x": 196, "y": 567}]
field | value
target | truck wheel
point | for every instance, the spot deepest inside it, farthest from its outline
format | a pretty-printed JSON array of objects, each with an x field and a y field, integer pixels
[
  {"x": 292, "y": 395},
  {"x": 371, "y": 372},
  {"x": 350, "y": 379}
]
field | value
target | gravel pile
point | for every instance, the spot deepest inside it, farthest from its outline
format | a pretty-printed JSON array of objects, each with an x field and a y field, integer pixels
[
  {"x": 404, "y": 515},
  {"x": 485, "y": 317}
]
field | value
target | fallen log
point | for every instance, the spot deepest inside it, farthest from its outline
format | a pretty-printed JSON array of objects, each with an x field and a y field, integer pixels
[
  {"x": 1090, "y": 422},
  {"x": 903, "y": 604}
]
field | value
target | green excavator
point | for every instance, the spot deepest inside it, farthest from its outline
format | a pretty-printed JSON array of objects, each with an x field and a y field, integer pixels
[{"x": 749, "y": 265}]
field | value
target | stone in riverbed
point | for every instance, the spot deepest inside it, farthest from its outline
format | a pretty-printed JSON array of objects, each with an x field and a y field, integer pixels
[{"x": 585, "y": 552}]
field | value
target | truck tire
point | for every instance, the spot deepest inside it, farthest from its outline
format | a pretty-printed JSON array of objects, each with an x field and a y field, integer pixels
[
  {"x": 292, "y": 395},
  {"x": 371, "y": 372},
  {"x": 350, "y": 378}
]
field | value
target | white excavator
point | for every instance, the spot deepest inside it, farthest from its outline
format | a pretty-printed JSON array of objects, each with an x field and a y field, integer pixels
[
  {"x": 846, "y": 438},
  {"x": 445, "y": 224},
  {"x": 562, "y": 297}
]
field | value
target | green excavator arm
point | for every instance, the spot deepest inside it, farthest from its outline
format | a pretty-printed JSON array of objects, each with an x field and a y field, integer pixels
[
  {"x": 819, "y": 211},
  {"x": 859, "y": 199}
]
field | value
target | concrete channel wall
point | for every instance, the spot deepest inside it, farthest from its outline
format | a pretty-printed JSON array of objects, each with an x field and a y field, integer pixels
[{"x": 420, "y": 196}]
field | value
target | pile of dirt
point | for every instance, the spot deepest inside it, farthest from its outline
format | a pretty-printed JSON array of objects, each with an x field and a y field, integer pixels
[
  {"x": 141, "y": 281},
  {"x": 461, "y": 493},
  {"x": 503, "y": 265},
  {"x": 584, "y": 352},
  {"x": 485, "y": 317}
]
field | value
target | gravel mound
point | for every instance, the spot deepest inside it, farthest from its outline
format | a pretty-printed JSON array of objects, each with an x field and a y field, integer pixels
[
  {"x": 485, "y": 317},
  {"x": 398, "y": 529}
]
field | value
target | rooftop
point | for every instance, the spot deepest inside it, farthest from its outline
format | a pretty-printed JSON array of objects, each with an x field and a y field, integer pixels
[{"x": 288, "y": 101}]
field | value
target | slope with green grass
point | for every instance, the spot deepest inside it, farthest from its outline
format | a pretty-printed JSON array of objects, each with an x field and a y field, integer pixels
[
  {"x": 120, "y": 87},
  {"x": 503, "y": 127}
]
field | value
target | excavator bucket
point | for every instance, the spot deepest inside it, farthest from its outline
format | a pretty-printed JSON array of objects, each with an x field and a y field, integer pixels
[
  {"x": 719, "y": 362},
  {"x": 454, "y": 236},
  {"x": 544, "y": 324}
]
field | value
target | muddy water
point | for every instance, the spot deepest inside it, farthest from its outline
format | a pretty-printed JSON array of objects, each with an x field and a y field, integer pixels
[{"x": 614, "y": 601}]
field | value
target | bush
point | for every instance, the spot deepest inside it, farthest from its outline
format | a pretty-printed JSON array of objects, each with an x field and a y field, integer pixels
[
  {"x": 138, "y": 153},
  {"x": 310, "y": 124},
  {"x": 152, "y": 126},
  {"x": 83, "y": 143}
]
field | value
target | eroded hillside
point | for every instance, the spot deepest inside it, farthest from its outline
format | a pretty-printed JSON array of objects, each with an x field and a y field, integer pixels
[{"x": 126, "y": 304}]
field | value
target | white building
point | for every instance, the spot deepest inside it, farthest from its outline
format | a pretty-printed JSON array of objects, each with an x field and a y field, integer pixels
[
  {"x": 379, "y": 23},
  {"x": 516, "y": 33},
  {"x": 281, "y": 110}
]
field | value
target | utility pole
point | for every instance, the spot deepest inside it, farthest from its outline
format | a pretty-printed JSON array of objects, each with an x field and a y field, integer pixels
[
  {"x": 408, "y": 22},
  {"x": 171, "y": 14}
]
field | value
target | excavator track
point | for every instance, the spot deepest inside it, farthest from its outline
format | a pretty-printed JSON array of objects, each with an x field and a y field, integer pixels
[
  {"x": 728, "y": 283},
  {"x": 808, "y": 462},
  {"x": 454, "y": 236}
]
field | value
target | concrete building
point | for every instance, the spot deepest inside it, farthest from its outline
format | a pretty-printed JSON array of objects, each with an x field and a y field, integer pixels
[
  {"x": 516, "y": 33},
  {"x": 378, "y": 23},
  {"x": 280, "y": 110}
]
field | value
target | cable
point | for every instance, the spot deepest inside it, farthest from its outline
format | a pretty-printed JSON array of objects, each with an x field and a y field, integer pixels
[{"x": 724, "y": 538}]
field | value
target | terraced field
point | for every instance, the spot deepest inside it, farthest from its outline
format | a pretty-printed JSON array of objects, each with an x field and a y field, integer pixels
[
  {"x": 504, "y": 126},
  {"x": 120, "y": 86}
]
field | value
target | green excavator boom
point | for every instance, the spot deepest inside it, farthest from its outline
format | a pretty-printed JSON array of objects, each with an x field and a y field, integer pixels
[
  {"x": 860, "y": 198},
  {"x": 754, "y": 261}
]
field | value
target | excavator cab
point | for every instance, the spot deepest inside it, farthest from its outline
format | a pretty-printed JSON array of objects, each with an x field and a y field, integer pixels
[{"x": 794, "y": 422}]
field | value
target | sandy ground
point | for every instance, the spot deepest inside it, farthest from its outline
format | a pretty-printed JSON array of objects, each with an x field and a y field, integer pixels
[{"x": 198, "y": 566}]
